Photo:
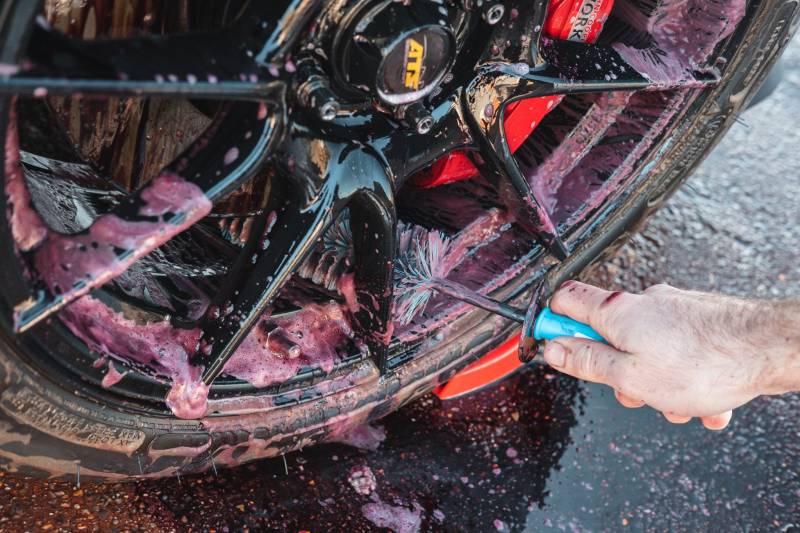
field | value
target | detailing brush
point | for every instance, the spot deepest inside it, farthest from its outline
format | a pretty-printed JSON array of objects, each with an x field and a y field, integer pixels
[{"x": 421, "y": 270}]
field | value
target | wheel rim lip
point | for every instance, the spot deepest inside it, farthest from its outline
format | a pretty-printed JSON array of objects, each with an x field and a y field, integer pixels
[{"x": 261, "y": 391}]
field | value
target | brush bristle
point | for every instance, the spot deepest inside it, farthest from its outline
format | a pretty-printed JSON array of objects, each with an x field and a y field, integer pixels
[
  {"x": 420, "y": 259},
  {"x": 332, "y": 257},
  {"x": 339, "y": 237}
]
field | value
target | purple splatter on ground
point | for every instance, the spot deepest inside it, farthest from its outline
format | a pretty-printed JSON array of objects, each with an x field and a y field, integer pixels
[
  {"x": 362, "y": 480},
  {"x": 398, "y": 518}
]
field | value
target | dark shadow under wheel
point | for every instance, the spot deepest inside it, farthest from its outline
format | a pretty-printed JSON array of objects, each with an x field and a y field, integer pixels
[{"x": 330, "y": 197}]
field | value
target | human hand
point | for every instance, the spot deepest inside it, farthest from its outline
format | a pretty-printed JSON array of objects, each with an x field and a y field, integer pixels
[{"x": 686, "y": 354}]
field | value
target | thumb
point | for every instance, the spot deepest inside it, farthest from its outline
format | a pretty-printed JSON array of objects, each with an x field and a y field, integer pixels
[{"x": 585, "y": 359}]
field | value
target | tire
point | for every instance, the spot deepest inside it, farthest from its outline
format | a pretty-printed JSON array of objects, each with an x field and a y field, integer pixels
[{"x": 51, "y": 428}]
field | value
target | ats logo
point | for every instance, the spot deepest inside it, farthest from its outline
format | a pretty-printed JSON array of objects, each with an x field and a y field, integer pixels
[{"x": 415, "y": 52}]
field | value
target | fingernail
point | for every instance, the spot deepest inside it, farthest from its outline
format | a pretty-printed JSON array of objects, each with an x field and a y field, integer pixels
[{"x": 555, "y": 355}]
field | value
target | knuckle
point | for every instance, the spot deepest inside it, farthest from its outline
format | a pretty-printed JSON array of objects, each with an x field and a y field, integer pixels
[
  {"x": 565, "y": 294},
  {"x": 659, "y": 288},
  {"x": 614, "y": 310}
]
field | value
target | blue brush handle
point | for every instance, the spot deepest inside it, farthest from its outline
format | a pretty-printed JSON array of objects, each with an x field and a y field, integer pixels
[{"x": 551, "y": 326}]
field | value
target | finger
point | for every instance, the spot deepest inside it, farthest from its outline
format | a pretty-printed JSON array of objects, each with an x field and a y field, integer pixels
[
  {"x": 676, "y": 419},
  {"x": 585, "y": 359},
  {"x": 587, "y": 303},
  {"x": 717, "y": 422},
  {"x": 627, "y": 401}
]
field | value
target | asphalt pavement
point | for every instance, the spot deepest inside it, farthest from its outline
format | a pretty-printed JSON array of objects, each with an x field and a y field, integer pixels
[{"x": 541, "y": 451}]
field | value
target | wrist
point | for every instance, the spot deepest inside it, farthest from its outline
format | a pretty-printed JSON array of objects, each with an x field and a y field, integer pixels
[{"x": 779, "y": 350}]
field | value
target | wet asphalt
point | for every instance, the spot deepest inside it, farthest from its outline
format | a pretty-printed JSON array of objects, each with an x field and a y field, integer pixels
[{"x": 541, "y": 451}]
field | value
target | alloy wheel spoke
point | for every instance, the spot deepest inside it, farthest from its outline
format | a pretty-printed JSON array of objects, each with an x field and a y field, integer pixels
[
  {"x": 236, "y": 63},
  {"x": 228, "y": 153},
  {"x": 536, "y": 30},
  {"x": 496, "y": 162},
  {"x": 167, "y": 275},
  {"x": 141, "y": 66},
  {"x": 374, "y": 225},
  {"x": 572, "y": 67}
]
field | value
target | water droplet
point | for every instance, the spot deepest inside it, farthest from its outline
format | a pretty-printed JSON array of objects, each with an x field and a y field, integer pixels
[{"x": 231, "y": 156}]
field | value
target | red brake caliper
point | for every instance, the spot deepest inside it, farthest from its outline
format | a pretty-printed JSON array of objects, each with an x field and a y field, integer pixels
[{"x": 574, "y": 20}]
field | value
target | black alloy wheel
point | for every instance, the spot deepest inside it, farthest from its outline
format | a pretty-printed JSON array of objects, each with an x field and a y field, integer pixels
[{"x": 156, "y": 293}]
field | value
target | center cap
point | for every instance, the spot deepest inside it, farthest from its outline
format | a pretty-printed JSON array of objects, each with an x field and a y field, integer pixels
[
  {"x": 414, "y": 65},
  {"x": 398, "y": 52}
]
